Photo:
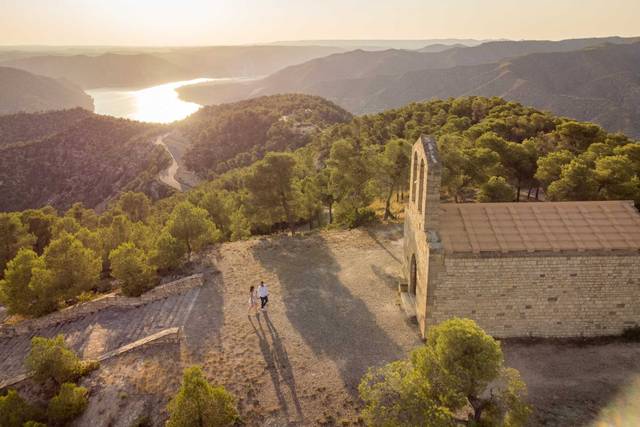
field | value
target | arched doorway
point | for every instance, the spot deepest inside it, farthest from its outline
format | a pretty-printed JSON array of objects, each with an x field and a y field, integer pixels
[{"x": 413, "y": 275}]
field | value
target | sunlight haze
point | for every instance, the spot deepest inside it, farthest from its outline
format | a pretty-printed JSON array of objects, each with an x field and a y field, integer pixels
[{"x": 216, "y": 22}]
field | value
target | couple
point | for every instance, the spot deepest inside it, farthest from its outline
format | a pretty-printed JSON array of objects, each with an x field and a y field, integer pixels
[{"x": 263, "y": 293}]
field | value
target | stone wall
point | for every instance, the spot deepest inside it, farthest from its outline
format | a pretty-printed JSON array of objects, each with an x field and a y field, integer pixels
[
  {"x": 101, "y": 303},
  {"x": 538, "y": 294},
  {"x": 415, "y": 244}
]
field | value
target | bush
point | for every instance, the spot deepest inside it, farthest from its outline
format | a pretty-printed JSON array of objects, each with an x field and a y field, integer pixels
[
  {"x": 353, "y": 218},
  {"x": 14, "y": 410},
  {"x": 72, "y": 268},
  {"x": 136, "y": 206},
  {"x": 51, "y": 358},
  {"x": 497, "y": 189},
  {"x": 198, "y": 403},
  {"x": 131, "y": 267},
  {"x": 22, "y": 291},
  {"x": 192, "y": 227},
  {"x": 169, "y": 252},
  {"x": 69, "y": 403}
]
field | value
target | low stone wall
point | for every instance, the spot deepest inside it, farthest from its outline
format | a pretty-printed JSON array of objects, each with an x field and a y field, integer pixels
[
  {"x": 107, "y": 301},
  {"x": 170, "y": 334}
]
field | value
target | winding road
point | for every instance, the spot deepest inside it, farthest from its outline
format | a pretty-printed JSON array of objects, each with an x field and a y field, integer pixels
[{"x": 168, "y": 176}]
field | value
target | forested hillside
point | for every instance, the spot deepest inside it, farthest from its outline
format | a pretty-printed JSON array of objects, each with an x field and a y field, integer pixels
[
  {"x": 67, "y": 157},
  {"x": 492, "y": 150},
  {"x": 24, "y": 127},
  {"x": 233, "y": 135},
  {"x": 23, "y": 91},
  {"x": 586, "y": 79}
]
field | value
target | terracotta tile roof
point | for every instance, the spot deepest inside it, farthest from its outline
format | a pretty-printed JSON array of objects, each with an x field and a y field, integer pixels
[{"x": 547, "y": 226}]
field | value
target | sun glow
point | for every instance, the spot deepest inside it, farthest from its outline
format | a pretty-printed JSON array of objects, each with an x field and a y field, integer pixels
[{"x": 157, "y": 104}]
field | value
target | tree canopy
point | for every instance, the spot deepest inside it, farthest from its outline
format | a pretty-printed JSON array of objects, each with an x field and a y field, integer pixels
[
  {"x": 457, "y": 378},
  {"x": 200, "y": 404}
]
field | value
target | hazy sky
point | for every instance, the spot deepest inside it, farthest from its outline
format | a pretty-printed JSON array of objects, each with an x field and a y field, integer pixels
[{"x": 210, "y": 22}]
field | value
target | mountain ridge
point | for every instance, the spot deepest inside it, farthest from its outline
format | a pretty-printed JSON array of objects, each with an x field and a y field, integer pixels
[
  {"x": 375, "y": 86},
  {"x": 27, "y": 92}
]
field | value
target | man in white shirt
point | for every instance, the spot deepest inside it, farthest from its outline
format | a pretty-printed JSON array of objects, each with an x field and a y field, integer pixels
[{"x": 263, "y": 293}]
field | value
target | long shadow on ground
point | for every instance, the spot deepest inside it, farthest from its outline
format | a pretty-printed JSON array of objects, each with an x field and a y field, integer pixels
[
  {"x": 277, "y": 359},
  {"x": 331, "y": 320},
  {"x": 203, "y": 326}
]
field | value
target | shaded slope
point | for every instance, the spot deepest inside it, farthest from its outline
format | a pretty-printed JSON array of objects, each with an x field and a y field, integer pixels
[
  {"x": 23, "y": 127},
  {"x": 23, "y": 91},
  {"x": 89, "y": 162}
]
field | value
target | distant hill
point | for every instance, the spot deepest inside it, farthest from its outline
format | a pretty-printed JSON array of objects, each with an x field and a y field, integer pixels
[
  {"x": 126, "y": 67},
  {"x": 104, "y": 70},
  {"x": 242, "y": 61},
  {"x": 380, "y": 44},
  {"x": 234, "y": 135},
  {"x": 439, "y": 47},
  {"x": 70, "y": 157},
  {"x": 587, "y": 79},
  {"x": 23, "y": 91}
]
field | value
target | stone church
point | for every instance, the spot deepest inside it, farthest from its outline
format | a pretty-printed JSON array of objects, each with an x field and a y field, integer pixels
[{"x": 551, "y": 269}]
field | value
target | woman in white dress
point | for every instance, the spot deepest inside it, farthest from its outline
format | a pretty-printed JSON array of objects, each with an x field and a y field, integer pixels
[{"x": 253, "y": 300}]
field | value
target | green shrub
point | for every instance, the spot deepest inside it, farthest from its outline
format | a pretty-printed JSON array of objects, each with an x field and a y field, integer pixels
[
  {"x": 130, "y": 265},
  {"x": 497, "y": 189},
  {"x": 69, "y": 403},
  {"x": 14, "y": 410},
  {"x": 352, "y": 218},
  {"x": 198, "y": 403},
  {"x": 23, "y": 291},
  {"x": 457, "y": 378},
  {"x": 51, "y": 358},
  {"x": 169, "y": 252}
]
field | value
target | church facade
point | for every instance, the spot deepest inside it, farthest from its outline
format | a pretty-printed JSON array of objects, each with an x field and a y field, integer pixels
[{"x": 551, "y": 269}]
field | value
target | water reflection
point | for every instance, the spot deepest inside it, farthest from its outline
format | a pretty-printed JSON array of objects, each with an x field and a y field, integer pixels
[{"x": 157, "y": 104}]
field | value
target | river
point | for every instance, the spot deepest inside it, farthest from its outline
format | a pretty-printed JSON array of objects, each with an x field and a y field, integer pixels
[{"x": 155, "y": 104}]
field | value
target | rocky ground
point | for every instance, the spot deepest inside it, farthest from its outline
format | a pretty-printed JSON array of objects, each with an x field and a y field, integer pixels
[{"x": 333, "y": 313}]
